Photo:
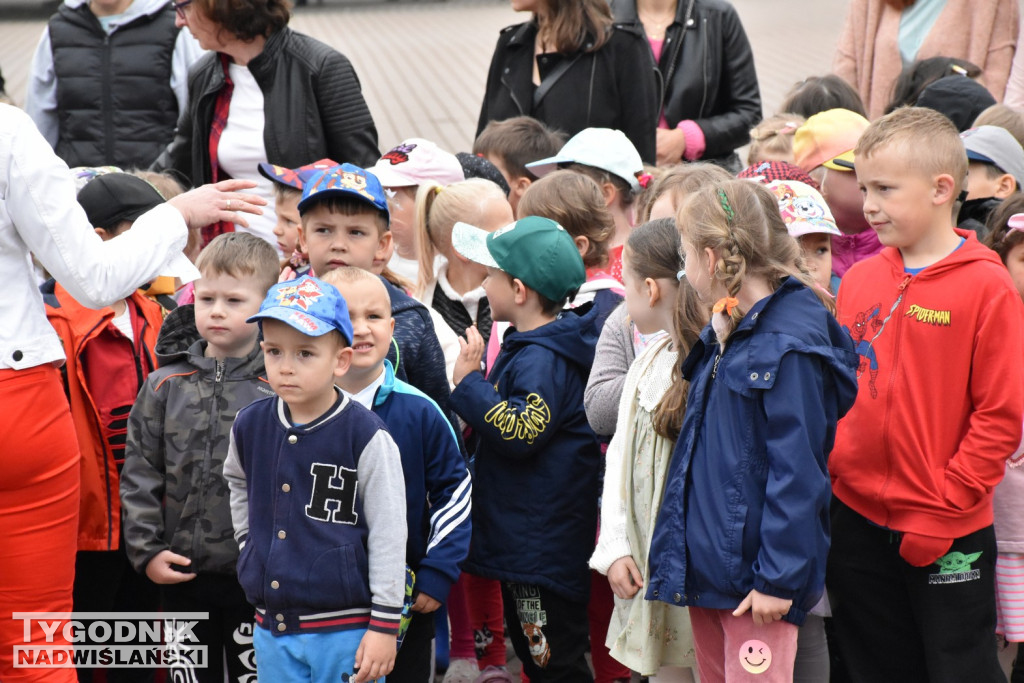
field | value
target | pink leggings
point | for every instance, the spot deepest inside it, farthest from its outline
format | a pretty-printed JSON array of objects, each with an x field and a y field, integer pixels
[
  {"x": 476, "y": 617},
  {"x": 733, "y": 649},
  {"x": 39, "y": 489}
]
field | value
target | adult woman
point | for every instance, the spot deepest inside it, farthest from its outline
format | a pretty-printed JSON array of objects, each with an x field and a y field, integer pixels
[
  {"x": 39, "y": 473},
  {"x": 571, "y": 68},
  {"x": 881, "y": 37},
  {"x": 710, "y": 99},
  {"x": 264, "y": 93}
]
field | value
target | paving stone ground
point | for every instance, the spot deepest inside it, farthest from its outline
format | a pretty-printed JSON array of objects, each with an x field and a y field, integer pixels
[{"x": 423, "y": 65}]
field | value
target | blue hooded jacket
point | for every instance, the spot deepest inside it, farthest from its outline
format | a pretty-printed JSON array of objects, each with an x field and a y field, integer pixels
[
  {"x": 538, "y": 461},
  {"x": 438, "y": 489},
  {"x": 746, "y": 504}
]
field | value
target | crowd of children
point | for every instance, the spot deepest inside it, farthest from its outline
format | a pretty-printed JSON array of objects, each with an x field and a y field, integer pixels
[{"x": 655, "y": 421}]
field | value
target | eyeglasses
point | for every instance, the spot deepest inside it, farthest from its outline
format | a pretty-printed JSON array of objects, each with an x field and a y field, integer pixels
[{"x": 179, "y": 7}]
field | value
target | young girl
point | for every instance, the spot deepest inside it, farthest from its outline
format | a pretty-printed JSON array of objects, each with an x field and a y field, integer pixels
[
  {"x": 650, "y": 638},
  {"x": 1007, "y": 239},
  {"x": 574, "y": 201},
  {"x": 772, "y": 139},
  {"x": 455, "y": 290},
  {"x": 742, "y": 534}
]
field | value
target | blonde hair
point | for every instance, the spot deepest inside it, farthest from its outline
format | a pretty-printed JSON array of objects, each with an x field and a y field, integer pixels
[
  {"x": 772, "y": 139},
  {"x": 678, "y": 182},
  {"x": 928, "y": 141},
  {"x": 740, "y": 221},
  {"x": 239, "y": 255},
  {"x": 350, "y": 275},
  {"x": 575, "y": 202},
  {"x": 438, "y": 209},
  {"x": 1004, "y": 117},
  {"x": 164, "y": 183}
]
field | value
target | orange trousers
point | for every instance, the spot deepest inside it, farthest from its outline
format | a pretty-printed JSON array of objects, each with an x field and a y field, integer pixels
[{"x": 39, "y": 489}]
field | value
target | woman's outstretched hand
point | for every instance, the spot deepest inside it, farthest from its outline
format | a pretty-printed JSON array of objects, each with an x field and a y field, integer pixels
[{"x": 218, "y": 202}]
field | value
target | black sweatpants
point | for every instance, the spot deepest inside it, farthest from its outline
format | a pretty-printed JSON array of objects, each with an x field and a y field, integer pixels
[
  {"x": 905, "y": 624},
  {"x": 549, "y": 633},
  {"x": 412, "y": 665},
  {"x": 227, "y": 634}
]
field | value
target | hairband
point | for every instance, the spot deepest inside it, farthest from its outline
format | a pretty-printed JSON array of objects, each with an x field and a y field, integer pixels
[
  {"x": 680, "y": 275},
  {"x": 1014, "y": 224},
  {"x": 790, "y": 127},
  {"x": 644, "y": 179},
  {"x": 724, "y": 201},
  {"x": 437, "y": 190}
]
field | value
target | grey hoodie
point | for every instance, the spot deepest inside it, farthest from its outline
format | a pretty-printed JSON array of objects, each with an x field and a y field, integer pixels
[{"x": 173, "y": 492}]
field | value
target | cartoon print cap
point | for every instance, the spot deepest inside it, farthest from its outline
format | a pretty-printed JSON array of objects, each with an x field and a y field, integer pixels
[
  {"x": 803, "y": 208},
  {"x": 294, "y": 177},
  {"x": 415, "y": 161},
  {"x": 603, "y": 148},
  {"x": 347, "y": 180},
  {"x": 311, "y": 306},
  {"x": 536, "y": 250}
]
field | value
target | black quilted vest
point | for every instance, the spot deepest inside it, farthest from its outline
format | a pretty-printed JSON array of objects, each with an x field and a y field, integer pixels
[{"x": 114, "y": 95}]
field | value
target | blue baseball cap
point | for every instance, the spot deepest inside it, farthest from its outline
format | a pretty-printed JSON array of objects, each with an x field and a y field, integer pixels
[
  {"x": 344, "y": 180},
  {"x": 311, "y": 306}
]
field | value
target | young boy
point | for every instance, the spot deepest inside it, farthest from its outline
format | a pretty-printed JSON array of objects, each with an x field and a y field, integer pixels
[
  {"x": 823, "y": 147},
  {"x": 608, "y": 158},
  {"x": 538, "y": 461},
  {"x": 995, "y": 169},
  {"x": 109, "y": 355},
  {"x": 513, "y": 143},
  {"x": 938, "y": 325},
  {"x": 437, "y": 483},
  {"x": 287, "y": 193},
  {"x": 810, "y": 223},
  {"x": 345, "y": 223},
  {"x": 317, "y": 501},
  {"x": 177, "y": 520}
]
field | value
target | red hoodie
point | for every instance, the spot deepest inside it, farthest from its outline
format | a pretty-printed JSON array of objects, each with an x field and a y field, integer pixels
[{"x": 941, "y": 397}]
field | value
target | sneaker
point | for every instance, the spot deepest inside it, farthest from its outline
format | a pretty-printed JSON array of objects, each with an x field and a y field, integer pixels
[
  {"x": 461, "y": 670},
  {"x": 494, "y": 674}
]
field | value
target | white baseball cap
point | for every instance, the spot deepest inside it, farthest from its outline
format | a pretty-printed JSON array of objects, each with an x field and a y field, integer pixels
[
  {"x": 415, "y": 161},
  {"x": 603, "y": 148}
]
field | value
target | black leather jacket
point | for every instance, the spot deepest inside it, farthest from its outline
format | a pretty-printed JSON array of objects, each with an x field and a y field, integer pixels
[
  {"x": 313, "y": 107},
  {"x": 612, "y": 87},
  {"x": 710, "y": 79}
]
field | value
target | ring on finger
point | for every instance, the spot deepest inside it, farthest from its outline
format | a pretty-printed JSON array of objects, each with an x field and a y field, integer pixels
[{"x": 229, "y": 205}]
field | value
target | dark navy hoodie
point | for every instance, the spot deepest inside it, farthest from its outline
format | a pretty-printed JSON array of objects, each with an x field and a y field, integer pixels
[{"x": 538, "y": 462}]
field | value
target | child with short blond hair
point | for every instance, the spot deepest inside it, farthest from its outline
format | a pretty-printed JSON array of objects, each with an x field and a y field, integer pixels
[
  {"x": 177, "y": 525},
  {"x": 938, "y": 326}
]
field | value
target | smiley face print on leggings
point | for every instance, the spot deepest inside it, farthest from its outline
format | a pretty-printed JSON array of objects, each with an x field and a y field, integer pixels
[{"x": 755, "y": 656}]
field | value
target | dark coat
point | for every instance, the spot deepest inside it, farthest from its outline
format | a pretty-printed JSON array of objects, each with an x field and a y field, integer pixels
[
  {"x": 712, "y": 80},
  {"x": 613, "y": 87},
  {"x": 746, "y": 502},
  {"x": 535, "y": 487},
  {"x": 313, "y": 106}
]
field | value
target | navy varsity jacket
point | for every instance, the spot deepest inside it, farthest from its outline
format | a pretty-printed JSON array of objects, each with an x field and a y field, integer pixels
[{"x": 310, "y": 506}]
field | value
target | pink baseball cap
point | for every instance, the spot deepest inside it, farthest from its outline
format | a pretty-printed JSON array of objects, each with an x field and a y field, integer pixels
[{"x": 416, "y": 161}]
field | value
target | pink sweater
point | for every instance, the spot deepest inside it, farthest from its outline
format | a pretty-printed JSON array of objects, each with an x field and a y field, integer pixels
[{"x": 868, "y": 55}]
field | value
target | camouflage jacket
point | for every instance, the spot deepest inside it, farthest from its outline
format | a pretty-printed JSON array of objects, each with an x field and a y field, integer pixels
[{"x": 173, "y": 493}]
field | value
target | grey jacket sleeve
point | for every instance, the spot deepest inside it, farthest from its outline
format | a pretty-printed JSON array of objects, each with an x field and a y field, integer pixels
[
  {"x": 235, "y": 476},
  {"x": 612, "y": 359},
  {"x": 143, "y": 480},
  {"x": 382, "y": 490}
]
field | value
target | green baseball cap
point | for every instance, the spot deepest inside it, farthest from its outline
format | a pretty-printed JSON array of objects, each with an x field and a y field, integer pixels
[{"x": 536, "y": 250}]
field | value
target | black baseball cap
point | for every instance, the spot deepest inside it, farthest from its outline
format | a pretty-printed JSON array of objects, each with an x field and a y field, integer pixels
[{"x": 114, "y": 197}]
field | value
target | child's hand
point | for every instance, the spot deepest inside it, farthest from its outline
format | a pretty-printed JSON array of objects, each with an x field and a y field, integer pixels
[
  {"x": 159, "y": 568},
  {"x": 287, "y": 273},
  {"x": 764, "y": 608},
  {"x": 375, "y": 657},
  {"x": 624, "y": 577},
  {"x": 471, "y": 352},
  {"x": 425, "y": 604}
]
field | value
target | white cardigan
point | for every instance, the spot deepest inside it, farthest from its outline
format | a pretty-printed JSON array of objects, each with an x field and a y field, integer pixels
[{"x": 39, "y": 215}]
